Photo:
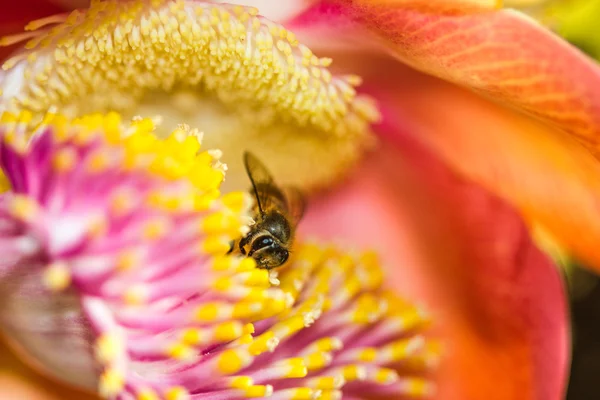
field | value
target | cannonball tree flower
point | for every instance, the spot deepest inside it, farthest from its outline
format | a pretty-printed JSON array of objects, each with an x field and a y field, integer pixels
[{"x": 496, "y": 302}]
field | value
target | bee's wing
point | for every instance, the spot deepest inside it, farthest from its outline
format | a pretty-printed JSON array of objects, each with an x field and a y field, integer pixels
[
  {"x": 262, "y": 181},
  {"x": 295, "y": 203}
]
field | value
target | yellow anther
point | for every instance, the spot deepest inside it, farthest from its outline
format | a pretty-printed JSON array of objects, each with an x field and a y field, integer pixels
[
  {"x": 228, "y": 331},
  {"x": 302, "y": 393},
  {"x": 257, "y": 277},
  {"x": 229, "y": 362},
  {"x": 326, "y": 382},
  {"x": 317, "y": 361},
  {"x": 193, "y": 336},
  {"x": 295, "y": 368},
  {"x": 127, "y": 260},
  {"x": 222, "y": 284},
  {"x": 385, "y": 375},
  {"x": 236, "y": 201},
  {"x": 108, "y": 348},
  {"x": 180, "y": 351},
  {"x": 257, "y": 391},
  {"x": 367, "y": 354},
  {"x": 265, "y": 342},
  {"x": 222, "y": 263},
  {"x": 121, "y": 203},
  {"x": 57, "y": 276},
  {"x": 328, "y": 344},
  {"x": 419, "y": 387},
  {"x": 353, "y": 372},
  {"x": 98, "y": 162},
  {"x": 155, "y": 229},
  {"x": 176, "y": 393},
  {"x": 246, "y": 309},
  {"x": 215, "y": 245},
  {"x": 221, "y": 222},
  {"x": 241, "y": 382},
  {"x": 135, "y": 295},
  {"x": 64, "y": 160},
  {"x": 208, "y": 312},
  {"x": 23, "y": 208},
  {"x": 147, "y": 394},
  {"x": 111, "y": 383}
]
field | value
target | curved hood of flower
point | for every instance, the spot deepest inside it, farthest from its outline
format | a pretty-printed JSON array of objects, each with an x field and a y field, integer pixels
[
  {"x": 247, "y": 82},
  {"x": 549, "y": 169}
]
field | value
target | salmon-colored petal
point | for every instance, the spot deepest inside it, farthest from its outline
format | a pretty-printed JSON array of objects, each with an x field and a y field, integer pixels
[
  {"x": 503, "y": 55},
  {"x": 449, "y": 7},
  {"x": 553, "y": 180},
  {"x": 498, "y": 300}
]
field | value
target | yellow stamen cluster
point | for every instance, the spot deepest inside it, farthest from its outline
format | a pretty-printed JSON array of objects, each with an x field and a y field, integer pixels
[
  {"x": 174, "y": 158},
  {"x": 175, "y": 58},
  {"x": 129, "y": 48}
]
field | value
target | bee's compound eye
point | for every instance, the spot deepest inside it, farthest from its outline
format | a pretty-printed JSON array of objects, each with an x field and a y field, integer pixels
[{"x": 262, "y": 242}]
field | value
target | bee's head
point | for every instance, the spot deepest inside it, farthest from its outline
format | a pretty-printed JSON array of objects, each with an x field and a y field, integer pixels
[{"x": 267, "y": 252}]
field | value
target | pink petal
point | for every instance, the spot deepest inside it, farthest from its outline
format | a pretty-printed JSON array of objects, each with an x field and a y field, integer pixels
[{"x": 499, "y": 301}]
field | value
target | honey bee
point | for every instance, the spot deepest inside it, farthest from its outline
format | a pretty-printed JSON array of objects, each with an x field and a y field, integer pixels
[{"x": 276, "y": 214}]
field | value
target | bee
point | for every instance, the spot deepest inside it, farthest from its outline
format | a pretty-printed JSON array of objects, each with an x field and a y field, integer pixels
[{"x": 276, "y": 213}]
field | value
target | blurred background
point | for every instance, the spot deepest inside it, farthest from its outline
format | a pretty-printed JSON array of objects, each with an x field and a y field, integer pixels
[{"x": 585, "y": 303}]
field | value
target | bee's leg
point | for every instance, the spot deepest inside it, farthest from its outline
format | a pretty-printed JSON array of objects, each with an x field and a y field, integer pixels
[{"x": 231, "y": 246}]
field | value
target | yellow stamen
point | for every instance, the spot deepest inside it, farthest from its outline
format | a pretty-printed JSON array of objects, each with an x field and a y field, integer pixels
[{"x": 179, "y": 53}]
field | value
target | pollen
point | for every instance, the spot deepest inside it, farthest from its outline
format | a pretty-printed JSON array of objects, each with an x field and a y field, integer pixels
[{"x": 131, "y": 56}]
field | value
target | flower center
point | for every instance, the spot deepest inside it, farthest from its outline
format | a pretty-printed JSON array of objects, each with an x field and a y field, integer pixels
[
  {"x": 242, "y": 79},
  {"x": 135, "y": 229}
]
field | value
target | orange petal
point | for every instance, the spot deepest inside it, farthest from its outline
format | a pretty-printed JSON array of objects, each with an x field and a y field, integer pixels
[
  {"x": 503, "y": 55},
  {"x": 550, "y": 169},
  {"x": 499, "y": 302},
  {"x": 553, "y": 180}
]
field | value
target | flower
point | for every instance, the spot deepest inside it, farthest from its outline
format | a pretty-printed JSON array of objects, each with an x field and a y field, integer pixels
[
  {"x": 496, "y": 300},
  {"x": 136, "y": 229}
]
